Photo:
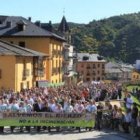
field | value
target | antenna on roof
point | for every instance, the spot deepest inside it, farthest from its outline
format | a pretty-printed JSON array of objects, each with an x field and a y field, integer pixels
[{"x": 63, "y": 11}]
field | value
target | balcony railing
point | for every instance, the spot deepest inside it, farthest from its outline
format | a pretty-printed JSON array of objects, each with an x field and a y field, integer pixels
[
  {"x": 39, "y": 72},
  {"x": 25, "y": 74}
]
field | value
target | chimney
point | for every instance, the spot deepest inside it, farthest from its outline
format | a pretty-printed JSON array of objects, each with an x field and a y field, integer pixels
[
  {"x": 50, "y": 22},
  {"x": 38, "y": 23},
  {"x": 29, "y": 18},
  {"x": 8, "y": 24}
]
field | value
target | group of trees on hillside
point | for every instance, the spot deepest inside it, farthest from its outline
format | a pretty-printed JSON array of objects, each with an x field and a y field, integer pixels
[{"x": 115, "y": 38}]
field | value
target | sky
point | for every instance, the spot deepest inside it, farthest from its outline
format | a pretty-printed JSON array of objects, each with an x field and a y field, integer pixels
[{"x": 78, "y": 11}]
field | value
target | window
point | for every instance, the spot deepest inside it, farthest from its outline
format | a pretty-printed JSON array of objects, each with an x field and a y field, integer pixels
[
  {"x": 21, "y": 85},
  {"x": 88, "y": 74},
  {"x": 94, "y": 72},
  {"x": 22, "y": 44},
  {"x": 98, "y": 79},
  {"x": 24, "y": 70},
  {"x": 94, "y": 66},
  {"x": 20, "y": 27},
  {"x": 88, "y": 79},
  {"x": 134, "y": 76},
  {"x": 98, "y": 65},
  {"x": 88, "y": 66},
  {"x": 82, "y": 72},
  {"x": 56, "y": 64},
  {"x": 103, "y": 72},
  {"x": 0, "y": 73},
  {"x": 93, "y": 79},
  {"x": 103, "y": 66},
  {"x": 28, "y": 84},
  {"x": 82, "y": 65}
]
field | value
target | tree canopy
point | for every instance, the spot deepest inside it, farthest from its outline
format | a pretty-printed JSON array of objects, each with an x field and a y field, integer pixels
[{"x": 116, "y": 37}]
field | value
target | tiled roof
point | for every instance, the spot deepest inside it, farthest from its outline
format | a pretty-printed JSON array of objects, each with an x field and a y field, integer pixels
[
  {"x": 117, "y": 67},
  {"x": 47, "y": 26},
  {"x": 7, "y": 48},
  {"x": 30, "y": 28},
  {"x": 89, "y": 57}
]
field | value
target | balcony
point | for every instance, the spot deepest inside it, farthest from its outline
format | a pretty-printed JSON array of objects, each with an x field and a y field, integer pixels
[
  {"x": 39, "y": 72},
  {"x": 88, "y": 67},
  {"x": 25, "y": 74},
  {"x": 88, "y": 74}
]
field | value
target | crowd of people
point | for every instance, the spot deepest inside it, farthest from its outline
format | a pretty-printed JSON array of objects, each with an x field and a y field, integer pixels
[{"x": 77, "y": 99}]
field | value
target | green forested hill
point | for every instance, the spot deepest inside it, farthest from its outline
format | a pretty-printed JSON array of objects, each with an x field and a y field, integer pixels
[{"x": 116, "y": 37}]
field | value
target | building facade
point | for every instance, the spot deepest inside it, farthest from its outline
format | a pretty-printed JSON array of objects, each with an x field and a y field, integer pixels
[
  {"x": 69, "y": 54},
  {"x": 90, "y": 67},
  {"x": 17, "y": 67},
  {"x": 118, "y": 71},
  {"x": 23, "y": 32},
  {"x": 135, "y": 75}
]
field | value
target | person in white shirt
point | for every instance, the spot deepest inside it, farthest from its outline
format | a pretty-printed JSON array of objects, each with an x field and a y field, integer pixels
[
  {"x": 79, "y": 107},
  {"x": 91, "y": 108},
  {"x": 68, "y": 108},
  {"x": 14, "y": 107},
  {"x": 29, "y": 109},
  {"x": 58, "y": 108},
  {"x": 52, "y": 104},
  {"x": 3, "y": 108},
  {"x": 129, "y": 102},
  {"x": 22, "y": 109}
]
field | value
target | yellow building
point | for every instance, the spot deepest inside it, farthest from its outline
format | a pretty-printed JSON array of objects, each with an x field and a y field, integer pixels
[
  {"x": 135, "y": 76},
  {"x": 90, "y": 67},
  {"x": 23, "y": 32},
  {"x": 17, "y": 69}
]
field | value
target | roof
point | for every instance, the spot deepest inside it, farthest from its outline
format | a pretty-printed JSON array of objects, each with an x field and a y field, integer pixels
[
  {"x": 113, "y": 67},
  {"x": 87, "y": 57},
  {"x": 63, "y": 27},
  {"x": 47, "y": 26},
  {"x": 31, "y": 30},
  {"x": 7, "y": 48}
]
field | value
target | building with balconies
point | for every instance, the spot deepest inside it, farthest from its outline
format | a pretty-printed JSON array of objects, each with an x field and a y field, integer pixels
[
  {"x": 20, "y": 67},
  {"x": 23, "y": 32}
]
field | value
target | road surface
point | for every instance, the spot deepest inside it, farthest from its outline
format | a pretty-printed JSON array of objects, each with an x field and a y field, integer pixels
[{"x": 67, "y": 135}]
